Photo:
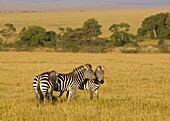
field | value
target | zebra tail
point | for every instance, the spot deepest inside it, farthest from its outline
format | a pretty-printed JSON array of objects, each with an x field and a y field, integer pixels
[
  {"x": 39, "y": 91},
  {"x": 35, "y": 86}
]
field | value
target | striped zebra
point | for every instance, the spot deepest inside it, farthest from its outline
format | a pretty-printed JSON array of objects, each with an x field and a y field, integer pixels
[
  {"x": 92, "y": 85},
  {"x": 71, "y": 81},
  {"x": 43, "y": 86}
]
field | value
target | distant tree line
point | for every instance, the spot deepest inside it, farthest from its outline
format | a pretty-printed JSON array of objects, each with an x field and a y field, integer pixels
[{"x": 87, "y": 38}]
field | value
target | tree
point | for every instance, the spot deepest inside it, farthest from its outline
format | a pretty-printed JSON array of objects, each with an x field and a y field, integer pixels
[
  {"x": 35, "y": 36},
  {"x": 50, "y": 39},
  {"x": 92, "y": 28},
  {"x": 8, "y": 31},
  {"x": 120, "y": 34},
  {"x": 168, "y": 26},
  {"x": 155, "y": 26},
  {"x": 76, "y": 34}
]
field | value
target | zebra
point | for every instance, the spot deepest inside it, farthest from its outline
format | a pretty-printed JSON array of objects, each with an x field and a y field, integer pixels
[
  {"x": 94, "y": 85},
  {"x": 71, "y": 81},
  {"x": 43, "y": 86},
  {"x": 91, "y": 85}
]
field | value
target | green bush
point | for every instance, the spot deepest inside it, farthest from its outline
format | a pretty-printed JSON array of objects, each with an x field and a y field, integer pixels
[
  {"x": 99, "y": 45},
  {"x": 132, "y": 44},
  {"x": 36, "y": 36},
  {"x": 163, "y": 47},
  {"x": 160, "y": 42},
  {"x": 1, "y": 43},
  {"x": 130, "y": 50}
]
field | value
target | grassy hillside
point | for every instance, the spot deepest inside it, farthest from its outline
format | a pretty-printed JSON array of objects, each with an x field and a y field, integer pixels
[
  {"x": 54, "y": 20},
  {"x": 136, "y": 87}
]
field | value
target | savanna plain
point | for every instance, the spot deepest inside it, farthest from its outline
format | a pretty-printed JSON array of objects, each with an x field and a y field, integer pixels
[
  {"x": 136, "y": 87},
  {"x": 54, "y": 20}
]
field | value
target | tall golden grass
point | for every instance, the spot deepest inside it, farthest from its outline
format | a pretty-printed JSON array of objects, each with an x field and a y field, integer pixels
[
  {"x": 54, "y": 20},
  {"x": 136, "y": 87}
]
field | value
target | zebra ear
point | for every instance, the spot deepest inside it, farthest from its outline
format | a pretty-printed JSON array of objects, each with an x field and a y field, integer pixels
[
  {"x": 102, "y": 67},
  {"x": 98, "y": 67},
  {"x": 87, "y": 66}
]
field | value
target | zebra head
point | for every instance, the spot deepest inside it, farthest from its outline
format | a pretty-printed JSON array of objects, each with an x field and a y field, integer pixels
[
  {"x": 99, "y": 73},
  {"x": 88, "y": 72}
]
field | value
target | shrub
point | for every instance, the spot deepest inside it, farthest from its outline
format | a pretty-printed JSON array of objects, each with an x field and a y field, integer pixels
[
  {"x": 130, "y": 50},
  {"x": 1, "y": 43},
  {"x": 163, "y": 47},
  {"x": 36, "y": 36}
]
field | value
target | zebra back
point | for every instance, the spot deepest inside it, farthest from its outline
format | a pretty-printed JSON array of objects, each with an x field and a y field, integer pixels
[{"x": 73, "y": 79}]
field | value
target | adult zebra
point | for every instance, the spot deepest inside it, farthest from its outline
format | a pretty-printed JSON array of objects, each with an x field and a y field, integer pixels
[
  {"x": 71, "y": 81},
  {"x": 45, "y": 83},
  {"x": 92, "y": 85},
  {"x": 43, "y": 86}
]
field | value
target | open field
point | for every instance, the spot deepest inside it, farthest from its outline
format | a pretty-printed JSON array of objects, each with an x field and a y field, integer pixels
[
  {"x": 54, "y": 20},
  {"x": 136, "y": 87}
]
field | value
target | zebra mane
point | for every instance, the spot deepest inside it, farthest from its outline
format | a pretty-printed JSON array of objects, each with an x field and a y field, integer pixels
[
  {"x": 82, "y": 67},
  {"x": 78, "y": 69}
]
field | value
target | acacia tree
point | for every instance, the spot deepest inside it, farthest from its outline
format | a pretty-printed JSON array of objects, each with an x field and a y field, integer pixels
[
  {"x": 155, "y": 26},
  {"x": 120, "y": 34},
  {"x": 92, "y": 28}
]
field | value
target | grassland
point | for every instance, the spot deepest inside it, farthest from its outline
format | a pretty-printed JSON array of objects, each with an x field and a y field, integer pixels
[
  {"x": 136, "y": 87},
  {"x": 54, "y": 20}
]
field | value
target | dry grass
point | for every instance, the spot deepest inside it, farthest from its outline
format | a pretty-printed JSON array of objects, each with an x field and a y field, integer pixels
[
  {"x": 54, "y": 20},
  {"x": 136, "y": 87}
]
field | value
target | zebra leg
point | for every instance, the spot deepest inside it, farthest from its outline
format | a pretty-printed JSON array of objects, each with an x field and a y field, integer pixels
[
  {"x": 91, "y": 94},
  {"x": 36, "y": 97},
  {"x": 43, "y": 97},
  {"x": 67, "y": 94},
  {"x": 61, "y": 93},
  {"x": 40, "y": 94},
  {"x": 44, "y": 100},
  {"x": 74, "y": 94},
  {"x": 97, "y": 94},
  {"x": 50, "y": 96}
]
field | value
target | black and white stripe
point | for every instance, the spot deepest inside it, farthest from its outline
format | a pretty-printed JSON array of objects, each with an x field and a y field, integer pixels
[
  {"x": 92, "y": 85},
  {"x": 71, "y": 81},
  {"x": 43, "y": 86}
]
